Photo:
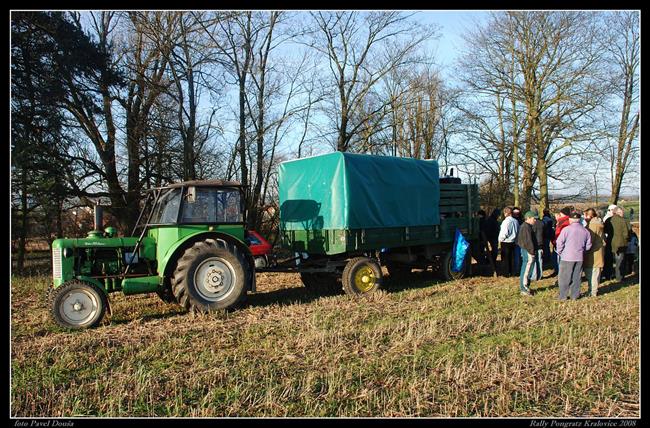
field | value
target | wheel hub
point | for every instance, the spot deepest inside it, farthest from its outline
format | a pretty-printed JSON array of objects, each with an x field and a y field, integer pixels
[
  {"x": 214, "y": 278},
  {"x": 79, "y": 306},
  {"x": 365, "y": 279}
]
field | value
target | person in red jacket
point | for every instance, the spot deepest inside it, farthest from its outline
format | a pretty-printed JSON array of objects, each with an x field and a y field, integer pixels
[{"x": 561, "y": 221}]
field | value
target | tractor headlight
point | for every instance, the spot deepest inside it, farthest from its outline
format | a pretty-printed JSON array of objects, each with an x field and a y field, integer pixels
[{"x": 67, "y": 252}]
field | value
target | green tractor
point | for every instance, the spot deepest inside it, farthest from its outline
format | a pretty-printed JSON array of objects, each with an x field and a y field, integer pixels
[{"x": 191, "y": 250}]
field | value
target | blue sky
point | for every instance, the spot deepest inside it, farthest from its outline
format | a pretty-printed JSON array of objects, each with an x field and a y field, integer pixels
[{"x": 453, "y": 24}]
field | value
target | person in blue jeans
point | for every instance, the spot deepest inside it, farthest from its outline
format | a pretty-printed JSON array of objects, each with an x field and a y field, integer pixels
[
  {"x": 528, "y": 244},
  {"x": 538, "y": 229}
]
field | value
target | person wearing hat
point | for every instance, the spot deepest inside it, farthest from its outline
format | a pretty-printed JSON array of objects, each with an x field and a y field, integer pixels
[
  {"x": 572, "y": 243},
  {"x": 528, "y": 243}
]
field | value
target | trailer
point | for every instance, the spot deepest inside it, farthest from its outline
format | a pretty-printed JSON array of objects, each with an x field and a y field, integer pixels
[{"x": 344, "y": 215}]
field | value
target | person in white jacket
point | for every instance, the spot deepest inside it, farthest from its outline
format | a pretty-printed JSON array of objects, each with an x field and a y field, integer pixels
[{"x": 507, "y": 239}]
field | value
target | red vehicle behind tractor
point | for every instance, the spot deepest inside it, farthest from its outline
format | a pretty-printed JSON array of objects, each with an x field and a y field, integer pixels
[{"x": 259, "y": 248}]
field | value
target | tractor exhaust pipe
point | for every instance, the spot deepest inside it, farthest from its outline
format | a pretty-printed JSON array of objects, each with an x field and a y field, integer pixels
[
  {"x": 99, "y": 217},
  {"x": 97, "y": 231}
]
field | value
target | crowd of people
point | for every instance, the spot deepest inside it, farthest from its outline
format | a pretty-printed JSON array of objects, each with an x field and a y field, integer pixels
[{"x": 573, "y": 243}]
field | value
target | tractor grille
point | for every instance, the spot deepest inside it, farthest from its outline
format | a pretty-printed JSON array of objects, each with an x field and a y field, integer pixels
[{"x": 56, "y": 263}]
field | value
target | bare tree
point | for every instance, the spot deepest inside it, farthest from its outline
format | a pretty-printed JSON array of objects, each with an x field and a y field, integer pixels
[
  {"x": 549, "y": 63},
  {"x": 491, "y": 111},
  {"x": 189, "y": 60},
  {"x": 362, "y": 48},
  {"x": 246, "y": 44},
  {"x": 102, "y": 111},
  {"x": 622, "y": 45},
  {"x": 233, "y": 37},
  {"x": 559, "y": 61},
  {"x": 259, "y": 75},
  {"x": 419, "y": 113}
]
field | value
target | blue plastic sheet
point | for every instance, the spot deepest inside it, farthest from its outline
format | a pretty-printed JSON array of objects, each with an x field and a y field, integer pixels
[{"x": 459, "y": 251}]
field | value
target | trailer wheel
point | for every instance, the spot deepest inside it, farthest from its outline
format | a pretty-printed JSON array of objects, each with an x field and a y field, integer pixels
[
  {"x": 210, "y": 275},
  {"x": 77, "y": 305},
  {"x": 447, "y": 263},
  {"x": 361, "y": 275},
  {"x": 317, "y": 281}
]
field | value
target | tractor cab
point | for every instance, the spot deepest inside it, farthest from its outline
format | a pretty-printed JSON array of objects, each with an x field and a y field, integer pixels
[{"x": 207, "y": 202}]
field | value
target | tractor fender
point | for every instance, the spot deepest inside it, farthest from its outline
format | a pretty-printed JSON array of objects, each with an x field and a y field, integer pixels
[
  {"x": 92, "y": 281},
  {"x": 166, "y": 268}
]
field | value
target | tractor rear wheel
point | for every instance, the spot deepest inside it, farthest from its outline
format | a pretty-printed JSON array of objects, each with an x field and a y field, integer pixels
[
  {"x": 77, "y": 304},
  {"x": 210, "y": 275},
  {"x": 361, "y": 275}
]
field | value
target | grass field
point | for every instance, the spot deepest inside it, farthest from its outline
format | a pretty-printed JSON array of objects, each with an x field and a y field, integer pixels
[{"x": 473, "y": 347}]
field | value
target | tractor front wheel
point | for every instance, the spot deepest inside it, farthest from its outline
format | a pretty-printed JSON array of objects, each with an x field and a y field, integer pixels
[
  {"x": 77, "y": 305},
  {"x": 361, "y": 275},
  {"x": 210, "y": 275}
]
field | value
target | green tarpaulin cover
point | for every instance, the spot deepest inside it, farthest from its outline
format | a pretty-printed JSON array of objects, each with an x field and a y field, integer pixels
[{"x": 353, "y": 191}]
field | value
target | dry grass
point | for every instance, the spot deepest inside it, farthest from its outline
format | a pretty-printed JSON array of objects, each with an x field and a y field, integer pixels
[{"x": 467, "y": 348}]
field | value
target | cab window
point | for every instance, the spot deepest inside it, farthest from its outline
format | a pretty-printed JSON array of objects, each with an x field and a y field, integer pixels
[{"x": 211, "y": 205}]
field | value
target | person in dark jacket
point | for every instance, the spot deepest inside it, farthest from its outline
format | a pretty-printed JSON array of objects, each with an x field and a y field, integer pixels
[
  {"x": 491, "y": 228},
  {"x": 617, "y": 234},
  {"x": 549, "y": 233},
  {"x": 538, "y": 228},
  {"x": 608, "y": 268},
  {"x": 528, "y": 243},
  {"x": 480, "y": 255}
]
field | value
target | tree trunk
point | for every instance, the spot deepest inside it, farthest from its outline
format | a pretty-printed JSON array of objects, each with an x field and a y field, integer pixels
[
  {"x": 515, "y": 151},
  {"x": 259, "y": 173},
  {"x": 59, "y": 220},
  {"x": 342, "y": 143},
  {"x": 22, "y": 233},
  {"x": 543, "y": 184},
  {"x": 189, "y": 169}
]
